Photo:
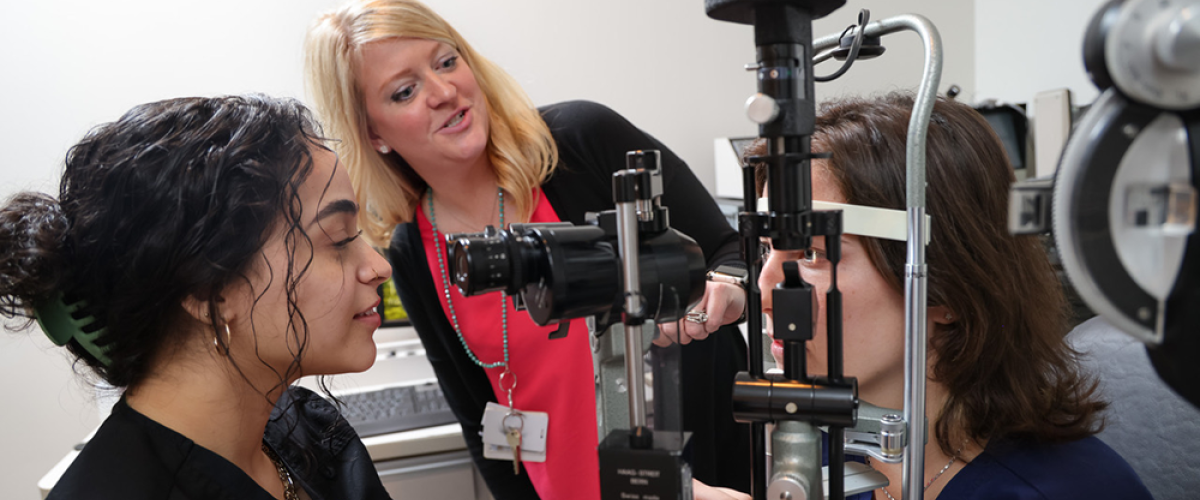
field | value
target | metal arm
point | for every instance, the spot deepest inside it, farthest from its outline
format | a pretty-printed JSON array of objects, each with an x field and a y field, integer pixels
[{"x": 915, "y": 270}]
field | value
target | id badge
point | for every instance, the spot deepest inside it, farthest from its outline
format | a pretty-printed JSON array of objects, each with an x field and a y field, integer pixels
[{"x": 533, "y": 434}]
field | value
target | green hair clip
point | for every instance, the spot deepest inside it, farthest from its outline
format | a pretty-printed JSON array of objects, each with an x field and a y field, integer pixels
[{"x": 62, "y": 322}]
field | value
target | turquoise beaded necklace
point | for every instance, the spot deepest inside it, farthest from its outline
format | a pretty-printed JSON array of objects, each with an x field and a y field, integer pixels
[{"x": 437, "y": 248}]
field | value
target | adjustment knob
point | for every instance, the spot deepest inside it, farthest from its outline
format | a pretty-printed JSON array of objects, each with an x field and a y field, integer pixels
[
  {"x": 786, "y": 488},
  {"x": 761, "y": 108},
  {"x": 1152, "y": 52},
  {"x": 1178, "y": 44}
]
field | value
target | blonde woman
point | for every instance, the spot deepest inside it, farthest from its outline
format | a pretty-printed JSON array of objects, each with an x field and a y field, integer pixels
[{"x": 439, "y": 141}]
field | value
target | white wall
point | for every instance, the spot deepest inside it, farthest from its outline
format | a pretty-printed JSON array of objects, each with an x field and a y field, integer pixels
[
  {"x": 900, "y": 66},
  {"x": 677, "y": 73},
  {"x": 69, "y": 65},
  {"x": 1023, "y": 47}
]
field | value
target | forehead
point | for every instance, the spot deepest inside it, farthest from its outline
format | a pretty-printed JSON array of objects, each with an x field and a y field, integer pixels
[
  {"x": 824, "y": 185},
  {"x": 326, "y": 182},
  {"x": 381, "y": 56}
]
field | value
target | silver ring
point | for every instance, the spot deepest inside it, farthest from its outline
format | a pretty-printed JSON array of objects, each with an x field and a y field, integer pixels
[{"x": 697, "y": 317}]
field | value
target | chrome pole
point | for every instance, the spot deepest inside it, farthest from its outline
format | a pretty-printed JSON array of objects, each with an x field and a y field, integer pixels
[
  {"x": 627, "y": 240},
  {"x": 915, "y": 269}
]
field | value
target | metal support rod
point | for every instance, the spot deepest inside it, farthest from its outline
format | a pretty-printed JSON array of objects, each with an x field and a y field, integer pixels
[
  {"x": 915, "y": 268},
  {"x": 915, "y": 275},
  {"x": 754, "y": 325},
  {"x": 834, "y": 358},
  {"x": 627, "y": 239}
]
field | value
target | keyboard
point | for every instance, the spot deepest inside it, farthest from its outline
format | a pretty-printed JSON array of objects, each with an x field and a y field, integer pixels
[{"x": 396, "y": 409}]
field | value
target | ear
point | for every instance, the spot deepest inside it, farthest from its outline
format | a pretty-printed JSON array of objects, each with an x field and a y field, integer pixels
[
  {"x": 376, "y": 141},
  {"x": 198, "y": 308},
  {"x": 202, "y": 310},
  {"x": 942, "y": 315}
]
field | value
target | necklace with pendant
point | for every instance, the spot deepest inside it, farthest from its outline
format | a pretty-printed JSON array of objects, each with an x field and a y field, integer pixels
[
  {"x": 935, "y": 476},
  {"x": 437, "y": 240}
]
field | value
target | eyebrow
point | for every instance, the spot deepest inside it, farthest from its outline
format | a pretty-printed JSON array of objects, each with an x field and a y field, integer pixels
[
  {"x": 387, "y": 82},
  {"x": 342, "y": 206}
]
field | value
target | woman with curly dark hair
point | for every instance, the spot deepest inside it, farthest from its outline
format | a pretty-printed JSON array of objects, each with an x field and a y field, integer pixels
[{"x": 203, "y": 254}]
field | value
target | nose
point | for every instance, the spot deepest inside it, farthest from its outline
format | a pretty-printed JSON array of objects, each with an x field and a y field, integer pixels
[
  {"x": 375, "y": 270},
  {"x": 771, "y": 275},
  {"x": 441, "y": 90}
]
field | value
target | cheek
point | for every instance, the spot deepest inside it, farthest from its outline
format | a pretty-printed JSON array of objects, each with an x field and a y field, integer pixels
[
  {"x": 466, "y": 80},
  {"x": 323, "y": 289},
  {"x": 392, "y": 121}
]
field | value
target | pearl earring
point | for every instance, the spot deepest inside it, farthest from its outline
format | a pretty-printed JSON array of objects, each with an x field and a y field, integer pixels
[{"x": 384, "y": 149}]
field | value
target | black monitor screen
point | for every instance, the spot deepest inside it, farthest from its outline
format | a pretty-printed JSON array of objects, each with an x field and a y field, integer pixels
[{"x": 1011, "y": 126}]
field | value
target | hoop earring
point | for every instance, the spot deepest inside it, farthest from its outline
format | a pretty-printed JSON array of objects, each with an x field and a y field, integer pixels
[{"x": 217, "y": 341}]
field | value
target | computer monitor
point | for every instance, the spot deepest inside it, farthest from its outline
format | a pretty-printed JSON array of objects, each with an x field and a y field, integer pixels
[
  {"x": 727, "y": 156},
  {"x": 390, "y": 310},
  {"x": 1011, "y": 126}
]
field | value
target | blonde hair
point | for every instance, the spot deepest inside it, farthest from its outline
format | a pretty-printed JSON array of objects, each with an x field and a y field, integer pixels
[{"x": 520, "y": 146}]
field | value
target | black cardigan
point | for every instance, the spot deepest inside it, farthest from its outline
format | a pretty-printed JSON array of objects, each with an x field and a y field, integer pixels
[
  {"x": 132, "y": 457},
  {"x": 592, "y": 141}
]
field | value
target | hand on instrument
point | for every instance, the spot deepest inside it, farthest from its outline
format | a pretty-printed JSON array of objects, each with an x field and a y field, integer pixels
[
  {"x": 701, "y": 491},
  {"x": 722, "y": 304}
]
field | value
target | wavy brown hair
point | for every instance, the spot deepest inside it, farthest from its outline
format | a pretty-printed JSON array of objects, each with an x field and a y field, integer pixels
[{"x": 1004, "y": 360}]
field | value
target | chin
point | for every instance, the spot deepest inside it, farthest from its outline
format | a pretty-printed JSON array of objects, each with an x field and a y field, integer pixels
[
  {"x": 358, "y": 360},
  {"x": 363, "y": 361}
]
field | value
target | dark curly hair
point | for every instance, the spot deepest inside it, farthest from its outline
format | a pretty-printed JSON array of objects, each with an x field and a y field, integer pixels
[
  {"x": 1004, "y": 360},
  {"x": 172, "y": 200}
]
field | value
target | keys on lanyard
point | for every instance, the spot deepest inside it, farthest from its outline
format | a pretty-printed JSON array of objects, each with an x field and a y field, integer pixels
[{"x": 513, "y": 422}]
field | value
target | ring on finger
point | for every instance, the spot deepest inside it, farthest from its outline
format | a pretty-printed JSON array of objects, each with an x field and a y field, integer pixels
[{"x": 697, "y": 316}]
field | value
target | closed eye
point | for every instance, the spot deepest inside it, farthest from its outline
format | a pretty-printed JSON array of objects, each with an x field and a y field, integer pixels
[{"x": 346, "y": 242}]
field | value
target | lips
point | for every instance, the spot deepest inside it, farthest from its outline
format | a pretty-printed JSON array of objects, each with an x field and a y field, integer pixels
[
  {"x": 776, "y": 345},
  {"x": 371, "y": 311},
  {"x": 774, "y": 341},
  {"x": 458, "y": 121}
]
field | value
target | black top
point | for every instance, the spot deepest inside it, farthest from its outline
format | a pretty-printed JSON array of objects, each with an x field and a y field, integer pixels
[
  {"x": 1027, "y": 470},
  {"x": 1081, "y": 469},
  {"x": 592, "y": 141},
  {"x": 132, "y": 457}
]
